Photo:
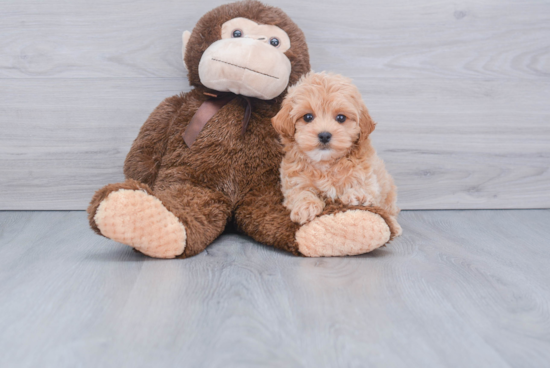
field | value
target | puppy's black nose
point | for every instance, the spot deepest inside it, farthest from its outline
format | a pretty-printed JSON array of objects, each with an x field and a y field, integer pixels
[{"x": 324, "y": 137}]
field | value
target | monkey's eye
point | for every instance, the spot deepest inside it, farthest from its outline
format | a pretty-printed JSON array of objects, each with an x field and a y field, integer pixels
[
  {"x": 274, "y": 42},
  {"x": 237, "y": 33},
  {"x": 341, "y": 118},
  {"x": 308, "y": 118}
]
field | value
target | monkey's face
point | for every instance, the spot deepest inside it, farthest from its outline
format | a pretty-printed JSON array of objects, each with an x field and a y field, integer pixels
[
  {"x": 249, "y": 60},
  {"x": 247, "y": 48}
]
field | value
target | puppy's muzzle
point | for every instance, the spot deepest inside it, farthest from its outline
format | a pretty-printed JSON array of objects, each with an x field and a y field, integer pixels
[{"x": 324, "y": 137}]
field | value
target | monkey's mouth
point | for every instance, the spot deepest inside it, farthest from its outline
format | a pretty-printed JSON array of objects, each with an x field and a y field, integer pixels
[{"x": 243, "y": 67}]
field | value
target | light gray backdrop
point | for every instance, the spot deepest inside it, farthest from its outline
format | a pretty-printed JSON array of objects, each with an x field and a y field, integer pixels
[{"x": 461, "y": 91}]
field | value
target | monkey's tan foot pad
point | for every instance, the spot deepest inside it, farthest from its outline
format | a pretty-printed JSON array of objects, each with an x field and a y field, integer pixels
[
  {"x": 343, "y": 234},
  {"x": 140, "y": 220}
]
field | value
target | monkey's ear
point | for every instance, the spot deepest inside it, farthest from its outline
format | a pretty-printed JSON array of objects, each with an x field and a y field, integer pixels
[
  {"x": 282, "y": 122},
  {"x": 185, "y": 38}
]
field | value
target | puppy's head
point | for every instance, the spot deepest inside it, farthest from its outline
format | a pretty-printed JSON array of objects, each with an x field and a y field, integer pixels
[{"x": 324, "y": 116}]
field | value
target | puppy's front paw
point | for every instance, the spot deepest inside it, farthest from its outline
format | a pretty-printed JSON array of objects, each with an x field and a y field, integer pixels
[
  {"x": 306, "y": 210},
  {"x": 357, "y": 199}
]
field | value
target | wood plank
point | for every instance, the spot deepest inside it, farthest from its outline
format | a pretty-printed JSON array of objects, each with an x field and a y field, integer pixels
[
  {"x": 62, "y": 140},
  {"x": 401, "y": 38},
  {"x": 449, "y": 144},
  {"x": 464, "y": 143},
  {"x": 458, "y": 289}
]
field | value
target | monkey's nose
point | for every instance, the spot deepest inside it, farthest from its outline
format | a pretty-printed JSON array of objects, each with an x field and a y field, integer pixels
[{"x": 324, "y": 137}]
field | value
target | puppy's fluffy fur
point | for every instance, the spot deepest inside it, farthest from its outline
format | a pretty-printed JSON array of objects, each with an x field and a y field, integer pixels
[{"x": 345, "y": 168}]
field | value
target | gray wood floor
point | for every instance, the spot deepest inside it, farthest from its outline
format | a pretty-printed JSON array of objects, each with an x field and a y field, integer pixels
[
  {"x": 460, "y": 90},
  {"x": 459, "y": 289}
]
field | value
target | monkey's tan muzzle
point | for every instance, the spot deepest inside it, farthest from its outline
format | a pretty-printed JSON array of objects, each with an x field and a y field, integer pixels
[{"x": 246, "y": 67}]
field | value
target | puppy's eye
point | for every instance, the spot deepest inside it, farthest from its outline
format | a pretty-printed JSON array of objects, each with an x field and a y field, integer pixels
[
  {"x": 237, "y": 33},
  {"x": 308, "y": 118},
  {"x": 341, "y": 118},
  {"x": 274, "y": 42}
]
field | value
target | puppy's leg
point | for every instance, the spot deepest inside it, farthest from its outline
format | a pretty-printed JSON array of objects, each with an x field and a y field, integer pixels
[
  {"x": 300, "y": 197},
  {"x": 364, "y": 190},
  {"x": 357, "y": 197},
  {"x": 305, "y": 206}
]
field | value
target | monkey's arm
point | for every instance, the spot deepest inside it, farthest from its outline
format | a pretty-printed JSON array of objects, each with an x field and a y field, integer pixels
[{"x": 143, "y": 161}]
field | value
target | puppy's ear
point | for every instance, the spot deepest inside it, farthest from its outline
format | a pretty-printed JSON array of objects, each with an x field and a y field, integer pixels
[
  {"x": 366, "y": 123},
  {"x": 282, "y": 122}
]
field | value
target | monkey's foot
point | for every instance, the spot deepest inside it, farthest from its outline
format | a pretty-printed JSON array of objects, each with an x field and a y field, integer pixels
[
  {"x": 140, "y": 220},
  {"x": 343, "y": 234}
]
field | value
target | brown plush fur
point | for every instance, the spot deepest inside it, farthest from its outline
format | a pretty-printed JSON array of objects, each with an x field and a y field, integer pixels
[{"x": 224, "y": 176}]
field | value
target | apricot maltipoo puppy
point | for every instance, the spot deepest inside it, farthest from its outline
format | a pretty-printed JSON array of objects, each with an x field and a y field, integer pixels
[{"x": 325, "y": 127}]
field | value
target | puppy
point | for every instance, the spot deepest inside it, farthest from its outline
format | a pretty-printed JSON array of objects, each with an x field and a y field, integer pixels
[{"x": 324, "y": 127}]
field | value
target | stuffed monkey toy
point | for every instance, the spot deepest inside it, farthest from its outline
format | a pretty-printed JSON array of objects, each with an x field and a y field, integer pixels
[{"x": 210, "y": 157}]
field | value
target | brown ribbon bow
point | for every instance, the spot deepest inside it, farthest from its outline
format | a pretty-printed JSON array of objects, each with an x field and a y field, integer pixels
[{"x": 208, "y": 109}]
